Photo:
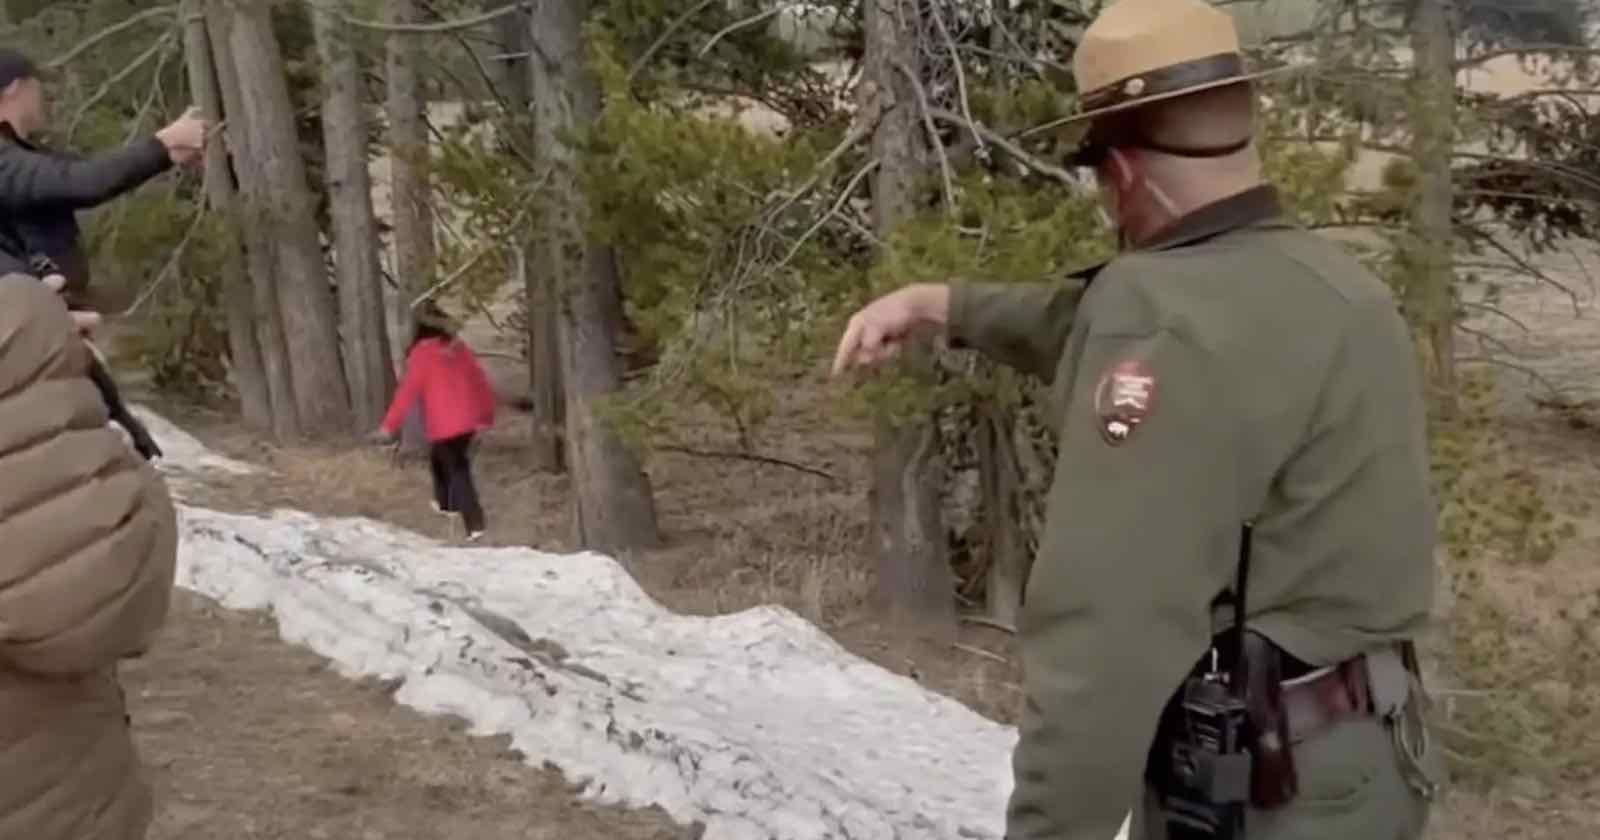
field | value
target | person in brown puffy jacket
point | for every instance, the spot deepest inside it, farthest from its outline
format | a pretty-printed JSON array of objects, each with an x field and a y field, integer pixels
[{"x": 88, "y": 544}]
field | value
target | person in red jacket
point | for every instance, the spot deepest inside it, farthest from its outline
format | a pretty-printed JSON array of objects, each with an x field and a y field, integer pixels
[{"x": 457, "y": 404}]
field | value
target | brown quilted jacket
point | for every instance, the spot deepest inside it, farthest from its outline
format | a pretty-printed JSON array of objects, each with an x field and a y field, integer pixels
[{"x": 88, "y": 541}]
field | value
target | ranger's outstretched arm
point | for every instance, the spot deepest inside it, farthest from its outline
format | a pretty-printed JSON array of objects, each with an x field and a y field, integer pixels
[{"x": 1024, "y": 325}]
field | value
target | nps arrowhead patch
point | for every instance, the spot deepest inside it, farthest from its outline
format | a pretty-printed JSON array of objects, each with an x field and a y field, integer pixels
[{"x": 1123, "y": 399}]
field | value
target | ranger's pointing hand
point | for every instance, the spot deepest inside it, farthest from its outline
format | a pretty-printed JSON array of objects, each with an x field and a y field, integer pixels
[{"x": 876, "y": 332}]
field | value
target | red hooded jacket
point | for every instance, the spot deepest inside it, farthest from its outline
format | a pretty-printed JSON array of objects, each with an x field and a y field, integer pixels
[{"x": 455, "y": 393}]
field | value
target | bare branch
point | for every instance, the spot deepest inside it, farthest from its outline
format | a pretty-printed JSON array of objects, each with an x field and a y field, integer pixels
[
  {"x": 170, "y": 267},
  {"x": 117, "y": 28},
  {"x": 422, "y": 28},
  {"x": 933, "y": 136},
  {"x": 1532, "y": 374},
  {"x": 737, "y": 25},
  {"x": 1495, "y": 310},
  {"x": 844, "y": 195},
  {"x": 105, "y": 88},
  {"x": 961, "y": 76},
  {"x": 666, "y": 34},
  {"x": 1011, "y": 149},
  {"x": 1530, "y": 269}
]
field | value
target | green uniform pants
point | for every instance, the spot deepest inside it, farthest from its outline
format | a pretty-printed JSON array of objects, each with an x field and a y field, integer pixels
[{"x": 1351, "y": 788}]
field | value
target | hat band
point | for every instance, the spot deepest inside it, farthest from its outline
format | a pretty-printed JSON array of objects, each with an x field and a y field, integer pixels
[{"x": 1165, "y": 80}]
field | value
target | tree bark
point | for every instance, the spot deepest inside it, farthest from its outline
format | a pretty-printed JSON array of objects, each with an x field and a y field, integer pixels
[
  {"x": 244, "y": 348},
  {"x": 914, "y": 577},
  {"x": 509, "y": 66},
  {"x": 361, "y": 312},
  {"x": 614, "y": 508},
  {"x": 1433, "y": 38},
  {"x": 411, "y": 204},
  {"x": 1003, "y": 521},
  {"x": 514, "y": 84},
  {"x": 246, "y": 216},
  {"x": 310, "y": 321},
  {"x": 545, "y": 395}
]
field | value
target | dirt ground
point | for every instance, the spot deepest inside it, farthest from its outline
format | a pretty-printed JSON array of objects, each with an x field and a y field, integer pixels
[
  {"x": 247, "y": 737},
  {"x": 253, "y": 738}
]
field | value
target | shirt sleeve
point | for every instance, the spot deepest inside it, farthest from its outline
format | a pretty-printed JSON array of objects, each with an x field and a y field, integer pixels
[
  {"x": 1143, "y": 534},
  {"x": 1023, "y": 325},
  {"x": 406, "y": 394},
  {"x": 29, "y": 179}
]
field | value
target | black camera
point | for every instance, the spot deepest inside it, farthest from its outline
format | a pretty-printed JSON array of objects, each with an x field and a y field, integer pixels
[{"x": 1210, "y": 764}]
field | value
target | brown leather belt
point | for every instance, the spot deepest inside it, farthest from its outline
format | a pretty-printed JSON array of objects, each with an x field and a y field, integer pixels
[{"x": 1318, "y": 703}]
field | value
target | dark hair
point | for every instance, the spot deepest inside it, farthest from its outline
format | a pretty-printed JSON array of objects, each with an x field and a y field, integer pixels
[
  {"x": 424, "y": 332},
  {"x": 14, "y": 65}
]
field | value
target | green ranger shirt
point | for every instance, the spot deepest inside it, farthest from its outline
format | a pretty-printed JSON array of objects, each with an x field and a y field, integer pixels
[{"x": 1238, "y": 369}]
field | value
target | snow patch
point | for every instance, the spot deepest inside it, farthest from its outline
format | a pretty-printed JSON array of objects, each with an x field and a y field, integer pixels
[
  {"x": 182, "y": 451},
  {"x": 756, "y": 724}
]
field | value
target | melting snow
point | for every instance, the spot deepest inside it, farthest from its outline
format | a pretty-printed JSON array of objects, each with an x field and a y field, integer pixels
[{"x": 756, "y": 723}]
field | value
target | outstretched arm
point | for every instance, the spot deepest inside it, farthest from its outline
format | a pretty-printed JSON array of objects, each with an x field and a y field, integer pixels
[
  {"x": 30, "y": 179},
  {"x": 1024, "y": 325}
]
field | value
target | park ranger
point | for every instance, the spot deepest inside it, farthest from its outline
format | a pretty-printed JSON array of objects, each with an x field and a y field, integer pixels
[{"x": 1238, "y": 400}]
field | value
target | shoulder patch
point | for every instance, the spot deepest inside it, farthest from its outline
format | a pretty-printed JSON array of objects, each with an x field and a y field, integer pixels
[{"x": 1124, "y": 398}]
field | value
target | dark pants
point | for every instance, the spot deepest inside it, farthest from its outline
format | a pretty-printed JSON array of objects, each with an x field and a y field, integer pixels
[{"x": 451, "y": 464}]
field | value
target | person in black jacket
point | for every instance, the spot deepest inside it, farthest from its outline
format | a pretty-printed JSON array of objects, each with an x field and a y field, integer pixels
[{"x": 41, "y": 191}]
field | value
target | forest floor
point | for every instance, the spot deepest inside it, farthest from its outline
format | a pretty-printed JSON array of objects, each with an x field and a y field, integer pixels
[{"x": 249, "y": 737}]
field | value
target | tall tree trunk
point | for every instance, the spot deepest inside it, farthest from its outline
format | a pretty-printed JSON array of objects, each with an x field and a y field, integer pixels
[
  {"x": 545, "y": 394},
  {"x": 411, "y": 204},
  {"x": 614, "y": 508},
  {"x": 514, "y": 83},
  {"x": 1433, "y": 38},
  {"x": 247, "y": 217},
  {"x": 914, "y": 577},
  {"x": 244, "y": 348},
  {"x": 361, "y": 311},
  {"x": 310, "y": 320}
]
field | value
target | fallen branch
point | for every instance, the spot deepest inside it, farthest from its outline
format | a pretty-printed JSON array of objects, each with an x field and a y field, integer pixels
[
  {"x": 985, "y": 621},
  {"x": 748, "y": 456},
  {"x": 978, "y": 651}
]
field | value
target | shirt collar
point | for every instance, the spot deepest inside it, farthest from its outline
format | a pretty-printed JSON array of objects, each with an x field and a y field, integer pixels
[{"x": 1257, "y": 206}]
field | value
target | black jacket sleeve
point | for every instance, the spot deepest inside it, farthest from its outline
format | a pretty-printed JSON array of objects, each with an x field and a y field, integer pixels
[{"x": 31, "y": 179}]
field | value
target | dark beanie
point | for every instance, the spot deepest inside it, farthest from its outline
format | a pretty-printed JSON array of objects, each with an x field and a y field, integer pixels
[{"x": 14, "y": 65}]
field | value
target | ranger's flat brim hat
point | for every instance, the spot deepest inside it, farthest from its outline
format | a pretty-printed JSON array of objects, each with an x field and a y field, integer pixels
[{"x": 1140, "y": 52}]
